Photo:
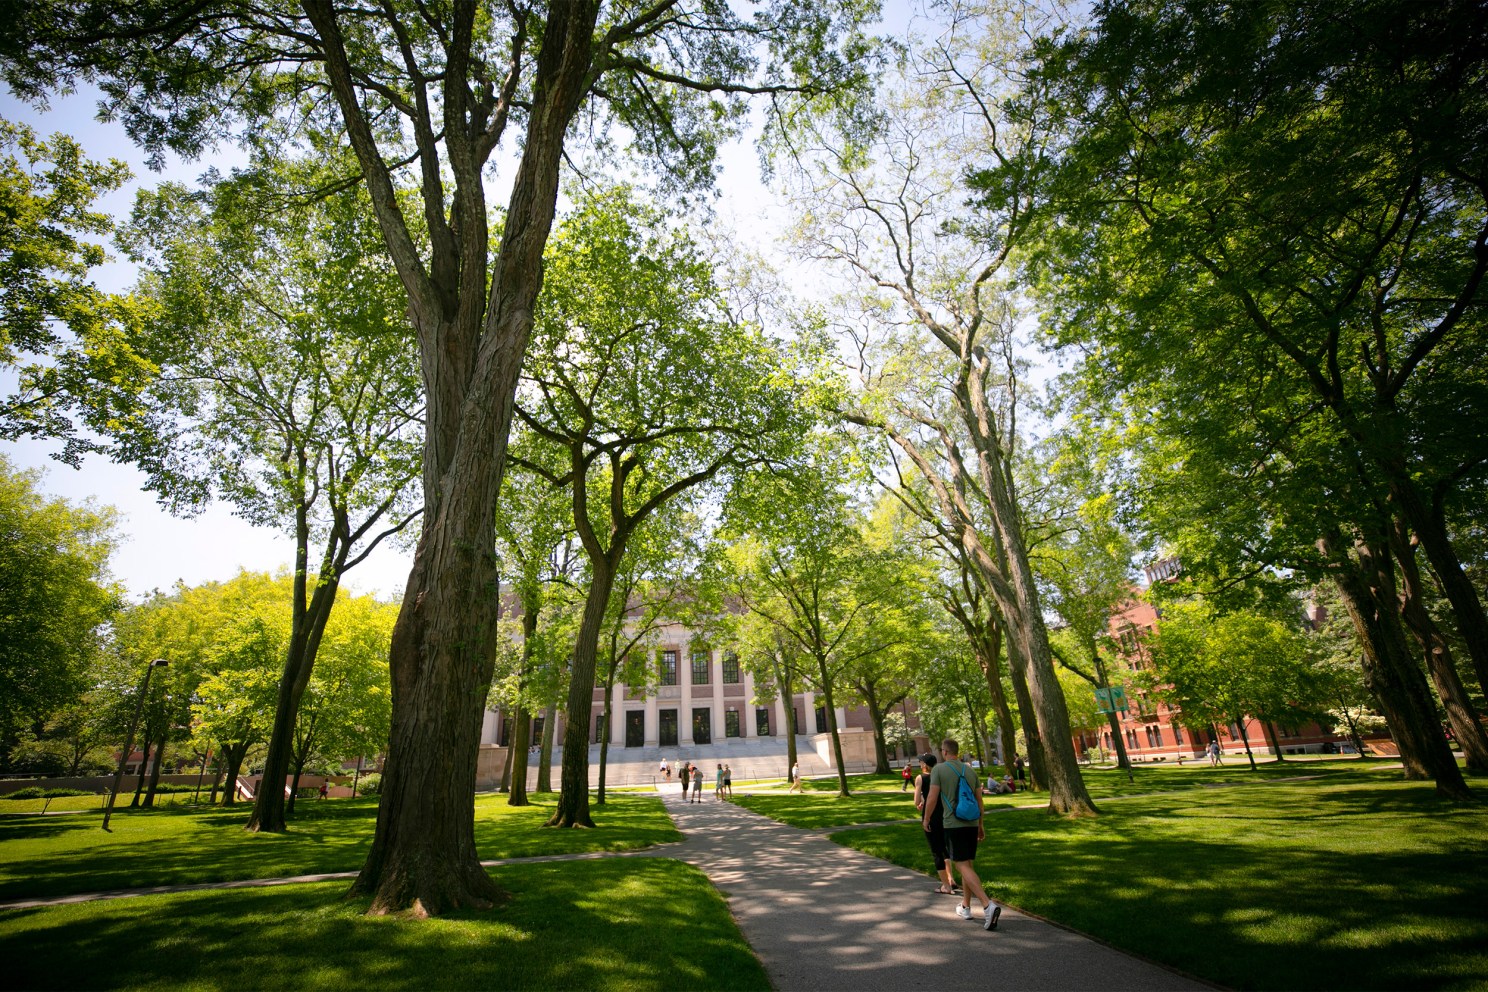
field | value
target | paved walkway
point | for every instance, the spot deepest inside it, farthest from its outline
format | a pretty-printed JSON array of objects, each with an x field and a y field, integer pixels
[{"x": 825, "y": 917}]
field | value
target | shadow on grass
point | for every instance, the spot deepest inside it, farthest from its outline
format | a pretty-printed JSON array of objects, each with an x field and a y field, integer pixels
[
  {"x": 1355, "y": 887},
  {"x": 149, "y": 848},
  {"x": 613, "y": 924}
]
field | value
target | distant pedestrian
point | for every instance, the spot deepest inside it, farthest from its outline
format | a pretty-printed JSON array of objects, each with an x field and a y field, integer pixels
[
  {"x": 324, "y": 790},
  {"x": 682, "y": 774},
  {"x": 935, "y": 836},
  {"x": 697, "y": 784},
  {"x": 795, "y": 777},
  {"x": 728, "y": 780},
  {"x": 907, "y": 774},
  {"x": 1020, "y": 776},
  {"x": 961, "y": 836},
  {"x": 718, "y": 783},
  {"x": 666, "y": 771},
  {"x": 1214, "y": 755}
]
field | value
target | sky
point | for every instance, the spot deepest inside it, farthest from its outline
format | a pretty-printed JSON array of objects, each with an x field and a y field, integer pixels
[{"x": 157, "y": 549}]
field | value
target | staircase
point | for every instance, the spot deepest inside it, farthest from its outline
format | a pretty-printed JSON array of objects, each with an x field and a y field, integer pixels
[{"x": 749, "y": 758}]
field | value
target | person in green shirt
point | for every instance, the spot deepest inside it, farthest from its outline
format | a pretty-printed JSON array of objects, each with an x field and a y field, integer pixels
[{"x": 961, "y": 836}]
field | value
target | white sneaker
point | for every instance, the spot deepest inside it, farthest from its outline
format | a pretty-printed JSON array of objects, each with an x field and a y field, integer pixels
[
  {"x": 990, "y": 915},
  {"x": 964, "y": 912}
]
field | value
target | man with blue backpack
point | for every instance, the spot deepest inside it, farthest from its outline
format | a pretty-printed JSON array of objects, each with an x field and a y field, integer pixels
[{"x": 954, "y": 796}]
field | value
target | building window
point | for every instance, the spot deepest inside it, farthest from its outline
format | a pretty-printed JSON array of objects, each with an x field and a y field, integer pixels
[
  {"x": 1177, "y": 734},
  {"x": 731, "y": 723},
  {"x": 669, "y": 668},
  {"x": 762, "y": 722},
  {"x": 821, "y": 719},
  {"x": 1131, "y": 738},
  {"x": 730, "y": 669},
  {"x": 701, "y": 663}
]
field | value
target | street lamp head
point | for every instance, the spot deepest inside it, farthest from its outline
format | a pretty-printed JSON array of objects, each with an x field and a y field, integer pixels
[{"x": 159, "y": 663}]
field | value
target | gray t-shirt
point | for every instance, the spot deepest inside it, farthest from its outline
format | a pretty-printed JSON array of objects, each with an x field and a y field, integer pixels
[{"x": 944, "y": 775}]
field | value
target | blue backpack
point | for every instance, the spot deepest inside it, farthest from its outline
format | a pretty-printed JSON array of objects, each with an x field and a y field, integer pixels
[{"x": 965, "y": 807}]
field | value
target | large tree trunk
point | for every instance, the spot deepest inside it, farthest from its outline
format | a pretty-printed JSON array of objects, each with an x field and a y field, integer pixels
[
  {"x": 1461, "y": 713},
  {"x": 472, "y": 338},
  {"x": 1038, "y": 780},
  {"x": 986, "y": 641},
  {"x": 1367, "y": 589},
  {"x": 573, "y": 797},
  {"x": 1431, "y": 531},
  {"x": 1016, "y": 594}
]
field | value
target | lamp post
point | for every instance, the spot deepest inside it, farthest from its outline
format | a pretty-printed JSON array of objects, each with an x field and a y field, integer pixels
[{"x": 139, "y": 706}]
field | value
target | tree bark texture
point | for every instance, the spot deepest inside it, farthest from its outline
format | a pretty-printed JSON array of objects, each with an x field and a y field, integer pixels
[
  {"x": 307, "y": 626},
  {"x": 1461, "y": 713},
  {"x": 521, "y": 742},
  {"x": 423, "y": 856},
  {"x": 573, "y": 796},
  {"x": 1366, "y": 586}
]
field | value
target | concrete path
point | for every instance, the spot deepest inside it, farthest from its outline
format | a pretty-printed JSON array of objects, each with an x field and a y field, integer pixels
[{"x": 824, "y": 917}]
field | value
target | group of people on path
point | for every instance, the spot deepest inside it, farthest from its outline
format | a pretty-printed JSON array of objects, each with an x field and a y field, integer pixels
[
  {"x": 953, "y": 839},
  {"x": 691, "y": 775}
]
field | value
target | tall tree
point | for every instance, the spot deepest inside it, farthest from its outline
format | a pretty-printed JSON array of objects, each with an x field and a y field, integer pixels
[
  {"x": 1300, "y": 183},
  {"x": 56, "y": 598},
  {"x": 284, "y": 386},
  {"x": 935, "y": 323},
  {"x": 432, "y": 92},
  {"x": 627, "y": 302}
]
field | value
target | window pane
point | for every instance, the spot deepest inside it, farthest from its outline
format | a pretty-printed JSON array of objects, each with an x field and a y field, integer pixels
[
  {"x": 701, "y": 663},
  {"x": 731, "y": 669},
  {"x": 669, "y": 668}
]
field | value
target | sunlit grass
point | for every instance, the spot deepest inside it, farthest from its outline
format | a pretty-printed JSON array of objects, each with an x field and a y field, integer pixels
[
  {"x": 1347, "y": 882},
  {"x": 58, "y": 855},
  {"x": 622, "y": 924}
]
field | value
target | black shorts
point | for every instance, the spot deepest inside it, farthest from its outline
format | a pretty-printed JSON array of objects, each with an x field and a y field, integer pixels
[
  {"x": 961, "y": 843},
  {"x": 935, "y": 837}
]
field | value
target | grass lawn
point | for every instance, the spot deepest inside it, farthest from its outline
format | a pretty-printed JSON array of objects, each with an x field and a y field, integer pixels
[
  {"x": 627, "y": 923},
  {"x": 1352, "y": 880},
  {"x": 622, "y": 923},
  {"x": 59, "y": 855}
]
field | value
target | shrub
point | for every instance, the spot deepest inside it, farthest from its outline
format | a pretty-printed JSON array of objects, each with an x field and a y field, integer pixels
[
  {"x": 370, "y": 785},
  {"x": 37, "y": 792}
]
